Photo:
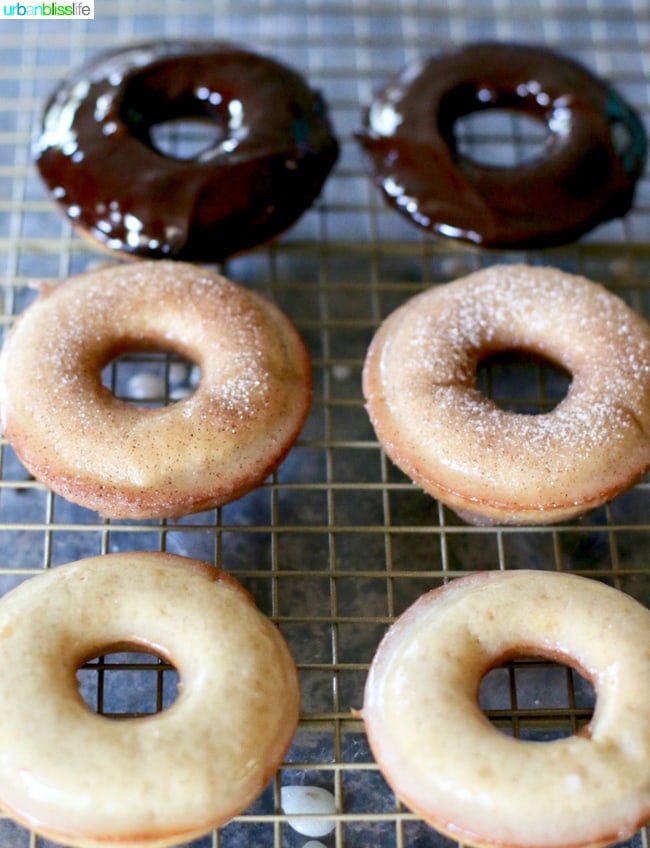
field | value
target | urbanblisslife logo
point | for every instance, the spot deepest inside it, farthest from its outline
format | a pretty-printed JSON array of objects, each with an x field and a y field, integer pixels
[{"x": 81, "y": 10}]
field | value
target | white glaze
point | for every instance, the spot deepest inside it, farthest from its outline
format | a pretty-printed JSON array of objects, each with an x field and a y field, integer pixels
[
  {"x": 85, "y": 780},
  {"x": 447, "y": 762}
]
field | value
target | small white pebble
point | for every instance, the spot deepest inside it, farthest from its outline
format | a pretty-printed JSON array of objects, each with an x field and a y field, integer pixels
[
  {"x": 308, "y": 801},
  {"x": 145, "y": 386},
  {"x": 313, "y": 844}
]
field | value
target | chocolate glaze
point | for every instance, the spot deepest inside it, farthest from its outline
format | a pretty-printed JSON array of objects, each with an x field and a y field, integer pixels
[
  {"x": 594, "y": 152},
  {"x": 272, "y": 155}
]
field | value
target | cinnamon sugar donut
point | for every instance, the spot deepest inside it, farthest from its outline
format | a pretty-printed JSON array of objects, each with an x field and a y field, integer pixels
[
  {"x": 489, "y": 464},
  {"x": 446, "y": 761},
  {"x": 85, "y": 780},
  {"x": 126, "y": 461}
]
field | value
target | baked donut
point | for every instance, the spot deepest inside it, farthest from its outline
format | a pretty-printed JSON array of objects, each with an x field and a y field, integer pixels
[
  {"x": 593, "y": 154},
  {"x": 444, "y": 759},
  {"x": 272, "y": 151},
  {"x": 492, "y": 465},
  {"x": 106, "y": 454},
  {"x": 165, "y": 778}
]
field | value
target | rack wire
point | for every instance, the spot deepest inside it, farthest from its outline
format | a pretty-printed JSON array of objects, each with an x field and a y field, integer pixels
[{"x": 337, "y": 543}]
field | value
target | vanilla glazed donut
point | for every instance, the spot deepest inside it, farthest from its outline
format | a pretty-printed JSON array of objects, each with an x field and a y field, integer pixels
[
  {"x": 86, "y": 780},
  {"x": 126, "y": 461},
  {"x": 495, "y": 466},
  {"x": 445, "y": 760}
]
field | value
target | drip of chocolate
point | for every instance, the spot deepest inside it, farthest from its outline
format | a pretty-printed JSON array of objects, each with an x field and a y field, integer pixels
[
  {"x": 273, "y": 148},
  {"x": 594, "y": 151}
]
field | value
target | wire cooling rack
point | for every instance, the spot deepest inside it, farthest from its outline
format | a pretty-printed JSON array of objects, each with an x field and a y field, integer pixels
[{"x": 337, "y": 543}]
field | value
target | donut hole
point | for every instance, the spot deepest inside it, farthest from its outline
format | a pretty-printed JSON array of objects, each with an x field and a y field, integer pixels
[
  {"x": 151, "y": 379},
  {"x": 537, "y": 699},
  {"x": 502, "y": 138},
  {"x": 128, "y": 682},
  {"x": 191, "y": 124},
  {"x": 523, "y": 382},
  {"x": 187, "y": 138}
]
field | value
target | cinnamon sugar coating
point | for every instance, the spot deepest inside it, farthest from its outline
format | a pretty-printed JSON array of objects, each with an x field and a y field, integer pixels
[
  {"x": 493, "y": 465},
  {"x": 126, "y": 461}
]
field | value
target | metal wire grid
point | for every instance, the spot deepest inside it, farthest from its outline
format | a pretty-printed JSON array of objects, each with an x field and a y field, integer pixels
[{"x": 337, "y": 543}]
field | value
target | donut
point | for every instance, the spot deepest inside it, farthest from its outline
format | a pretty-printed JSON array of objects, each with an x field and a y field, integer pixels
[
  {"x": 593, "y": 154},
  {"x": 131, "y": 461},
  {"x": 273, "y": 148},
  {"x": 448, "y": 764},
  {"x": 86, "y": 780},
  {"x": 491, "y": 465}
]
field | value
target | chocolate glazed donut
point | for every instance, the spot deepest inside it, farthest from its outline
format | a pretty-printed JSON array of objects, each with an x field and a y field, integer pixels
[
  {"x": 273, "y": 151},
  {"x": 594, "y": 151}
]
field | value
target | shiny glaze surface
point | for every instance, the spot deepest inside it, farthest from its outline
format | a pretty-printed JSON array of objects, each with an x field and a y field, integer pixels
[
  {"x": 272, "y": 152},
  {"x": 594, "y": 151},
  {"x": 146, "y": 781},
  {"x": 450, "y": 765}
]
